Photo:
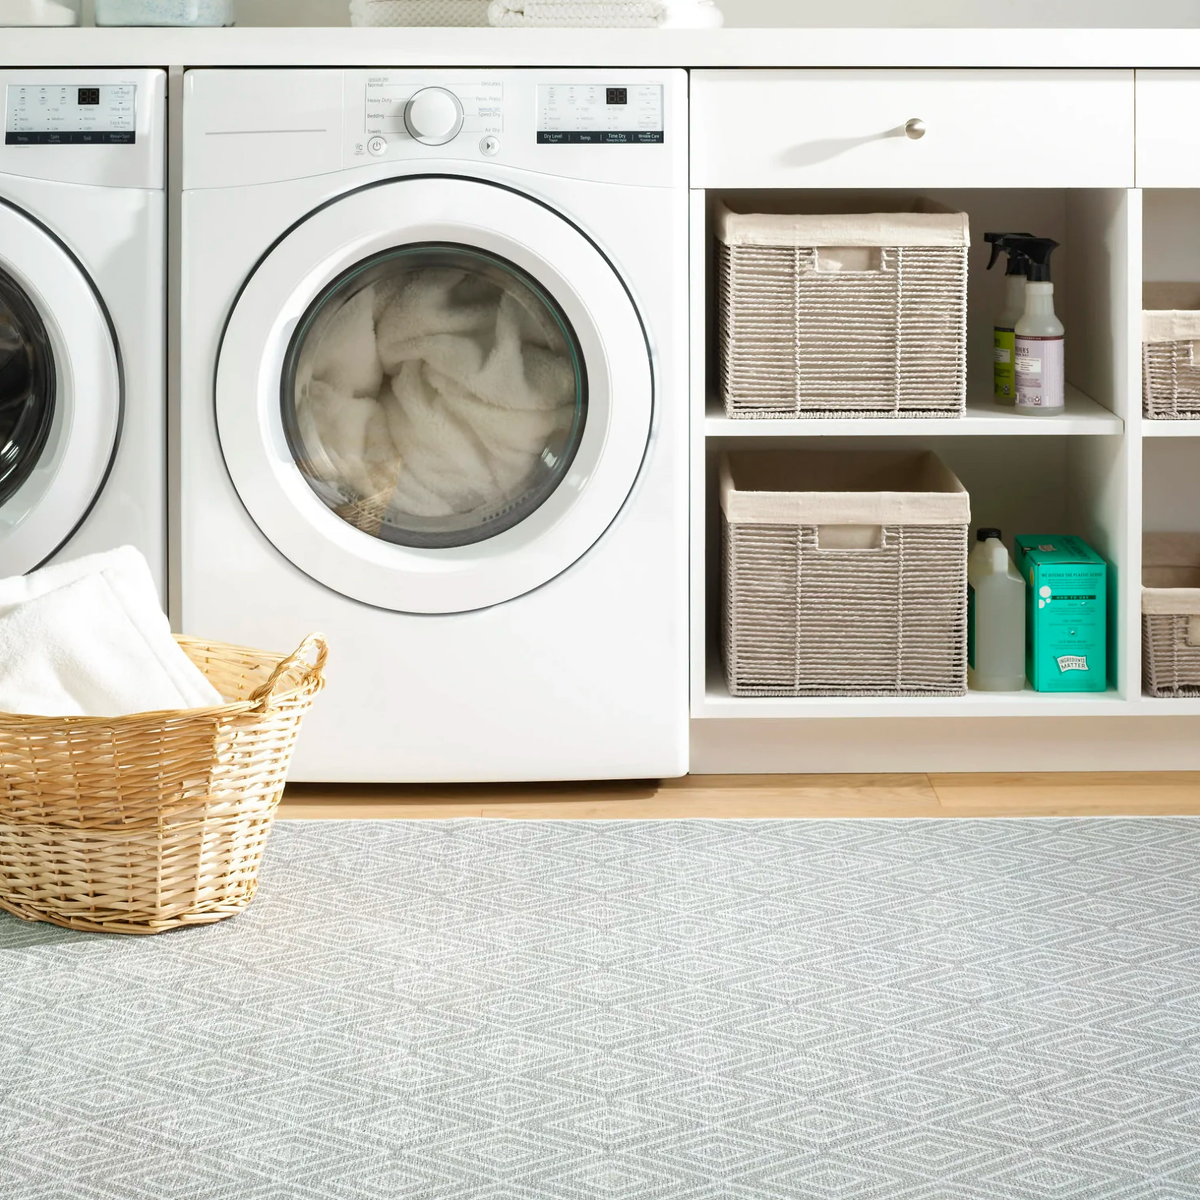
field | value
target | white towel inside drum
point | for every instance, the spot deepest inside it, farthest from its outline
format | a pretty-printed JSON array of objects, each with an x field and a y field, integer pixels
[{"x": 434, "y": 396}]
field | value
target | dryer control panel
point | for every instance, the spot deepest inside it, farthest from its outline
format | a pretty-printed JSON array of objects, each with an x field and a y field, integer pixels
[
  {"x": 87, "y": 125},
  {"x": 67, "y": 114},
  {"x": 394, "y": 106},
  {"x": 590, "y": 114}
]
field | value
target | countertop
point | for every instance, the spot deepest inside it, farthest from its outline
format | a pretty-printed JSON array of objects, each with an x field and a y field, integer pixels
[{"x": 793, "y": 47}]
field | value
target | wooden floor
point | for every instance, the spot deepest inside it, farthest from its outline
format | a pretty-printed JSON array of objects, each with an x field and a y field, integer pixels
[{"x": 1150, "y": 794}]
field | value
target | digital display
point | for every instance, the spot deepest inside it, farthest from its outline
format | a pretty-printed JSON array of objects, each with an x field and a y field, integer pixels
[
  {"x": 64, "y": 114},
  {"x": 586, "y": 114}
]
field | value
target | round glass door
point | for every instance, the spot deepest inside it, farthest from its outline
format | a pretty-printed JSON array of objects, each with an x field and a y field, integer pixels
[
  {"x": 60, "y": 393},
  {"x": 27, "y": 387},
  {"x": 434, "y": 395}
]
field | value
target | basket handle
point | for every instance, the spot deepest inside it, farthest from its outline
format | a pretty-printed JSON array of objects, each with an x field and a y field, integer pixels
[{"x": 297, "y": 660}]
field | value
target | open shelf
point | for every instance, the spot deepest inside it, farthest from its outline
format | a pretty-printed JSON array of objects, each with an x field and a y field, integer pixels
[
  {"x": 1164, "y": 706},
  {"x": 718, "y": 703},
  {"x": 983, "y": 417},
  {"x": 1169, "y": 429},
  {"x": 1079, "y": 472}
]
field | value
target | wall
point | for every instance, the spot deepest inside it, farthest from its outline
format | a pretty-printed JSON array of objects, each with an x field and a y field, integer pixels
[{"x": 961, "y": 13}]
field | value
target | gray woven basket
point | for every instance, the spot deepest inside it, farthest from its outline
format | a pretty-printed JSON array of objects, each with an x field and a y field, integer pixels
[
  {"x": 844, "y": 574},
  {"x": 1171, "y": 614},
  {"x": 843, "y": 315},
  {"x": 1170, "y": 344}
]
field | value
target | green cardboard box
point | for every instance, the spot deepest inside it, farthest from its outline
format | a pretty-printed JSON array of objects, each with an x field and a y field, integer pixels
[{"x": 1066, "y": 625}]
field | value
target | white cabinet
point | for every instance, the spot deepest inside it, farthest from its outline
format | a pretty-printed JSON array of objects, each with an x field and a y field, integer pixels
[
  {"x": 912, "y": 128},
  {"x": 1168, "y": 129}
]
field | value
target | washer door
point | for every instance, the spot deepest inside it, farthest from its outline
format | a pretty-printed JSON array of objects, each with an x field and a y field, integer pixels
[
  {"x": 434, "y": 395},
  {"x": 60, "y": 393}
]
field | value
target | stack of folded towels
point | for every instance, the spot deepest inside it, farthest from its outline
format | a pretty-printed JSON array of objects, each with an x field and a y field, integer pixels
[
  {"x": 649, "y": 14},
  {"x": 89, "y": 639}
]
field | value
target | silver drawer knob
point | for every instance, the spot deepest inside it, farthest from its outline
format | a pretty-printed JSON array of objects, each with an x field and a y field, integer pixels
[{"x": 915, "y": 129}]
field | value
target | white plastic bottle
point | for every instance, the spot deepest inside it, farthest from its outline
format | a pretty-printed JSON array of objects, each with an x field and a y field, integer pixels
[
  {"x": 1040, "y": 339},
  {"x": 996, "y": 625}
]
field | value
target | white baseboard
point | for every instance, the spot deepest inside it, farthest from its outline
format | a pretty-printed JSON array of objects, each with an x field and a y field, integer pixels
[{"x": 737, "y": 747}]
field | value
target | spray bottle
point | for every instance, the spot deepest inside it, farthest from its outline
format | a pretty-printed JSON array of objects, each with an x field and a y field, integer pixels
[
  {"x": 1004, "y": 334},
  {"x": 1039, "y": 340}
]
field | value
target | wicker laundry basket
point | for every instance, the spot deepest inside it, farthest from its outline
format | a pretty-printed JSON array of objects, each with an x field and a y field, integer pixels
[
  {"x": 1171, "y": 614},
  {"x": 845, "y": 574},
  {"x": 853, "y": 315},
  {"x": 443, "y": 13},
  {"x": 1171, "y": 351},
  {"x": 144, "y": 823}
]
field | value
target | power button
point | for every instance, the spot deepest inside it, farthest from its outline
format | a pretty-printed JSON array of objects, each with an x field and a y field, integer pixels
[
  {"x": 377, "y": 146},
  {"x": 490, "y": 146}
]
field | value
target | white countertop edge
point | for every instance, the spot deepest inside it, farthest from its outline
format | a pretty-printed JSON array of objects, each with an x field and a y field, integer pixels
[{"x": 746, "y": 48}]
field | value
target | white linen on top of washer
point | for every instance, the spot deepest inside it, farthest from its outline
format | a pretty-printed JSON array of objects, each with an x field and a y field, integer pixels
[
  {"x": 475, "y": 385},
  {"x": 643, "y": 14},
  {"x": 88, "y": 639},
  {"x": 446, "y": 13}
]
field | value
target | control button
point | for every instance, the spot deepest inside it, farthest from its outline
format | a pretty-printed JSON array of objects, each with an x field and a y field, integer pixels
[
  {"x": 434, "y": 116},
  {"x": 377, "y": 146},
  {"x": 490, "y": 145}
]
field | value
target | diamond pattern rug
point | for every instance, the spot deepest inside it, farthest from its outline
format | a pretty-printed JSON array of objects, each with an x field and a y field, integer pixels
[{"x": 835, "y": 1010}]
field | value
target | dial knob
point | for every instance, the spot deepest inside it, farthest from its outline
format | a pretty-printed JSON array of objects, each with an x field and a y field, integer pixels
[{"x": 434, "y": 116}]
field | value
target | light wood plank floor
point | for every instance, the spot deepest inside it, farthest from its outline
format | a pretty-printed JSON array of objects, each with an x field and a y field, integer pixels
[{"x": 1150, "y": 794}]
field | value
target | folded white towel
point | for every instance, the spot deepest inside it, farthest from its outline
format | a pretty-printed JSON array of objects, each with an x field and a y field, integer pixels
[{"x": 88, "y": 638}]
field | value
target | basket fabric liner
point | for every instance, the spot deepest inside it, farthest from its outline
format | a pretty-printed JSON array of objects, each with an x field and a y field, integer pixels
[
  {"x": 930, "y": 226},
  {"x": 1171, "y": 312},
  {"x": 866, "y": 487},
  {"x": 1171, "y": 574}
]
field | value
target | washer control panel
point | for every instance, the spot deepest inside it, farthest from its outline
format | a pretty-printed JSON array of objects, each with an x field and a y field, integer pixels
[
  {"x": 599, "y": 115},
  {"x": 434, "y": 115},
  {"x": 39, "y": 114}
]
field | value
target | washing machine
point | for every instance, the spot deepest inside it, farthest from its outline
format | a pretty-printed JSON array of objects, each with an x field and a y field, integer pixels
[
  {"x": 434, "y": 405},
  {"x": 82, "y": 316}
]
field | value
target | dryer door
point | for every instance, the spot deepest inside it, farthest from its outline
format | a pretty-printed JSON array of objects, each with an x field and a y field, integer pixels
[
  {"x": 60, "y": 393},
  {"x": 434, "y": 395}
]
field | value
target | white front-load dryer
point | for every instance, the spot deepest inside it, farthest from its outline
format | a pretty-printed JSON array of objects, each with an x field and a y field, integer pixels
[
  {"x": 82, "y": 316},
  {"x": 434, "y": 405}
]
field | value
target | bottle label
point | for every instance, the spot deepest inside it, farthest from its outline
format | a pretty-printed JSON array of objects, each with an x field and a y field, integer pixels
[
  {"x": 970, "y": 627},
  {"x": 1038, "y": 366},
  {"x": 1004, "y": 376}
]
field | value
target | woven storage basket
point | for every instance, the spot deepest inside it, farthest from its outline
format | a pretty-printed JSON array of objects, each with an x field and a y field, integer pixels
[
  {"x": 850, "y": 315},
  {"x": 1171, "y": 614},
  {"x": 144, "y": 823},
  {"x": 443, "y": 13},
  {"x": 845, "y": 574},
  {"x": 1171, "y": 351}
]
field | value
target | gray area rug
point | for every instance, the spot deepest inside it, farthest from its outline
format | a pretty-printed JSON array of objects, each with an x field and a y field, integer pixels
[{"x": 836, "y": 1009}]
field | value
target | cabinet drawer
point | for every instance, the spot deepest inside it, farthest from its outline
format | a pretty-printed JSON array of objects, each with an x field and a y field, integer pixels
[
  {"x": 1168, "y": 129},
  {"x": 1002, "y": 128}
]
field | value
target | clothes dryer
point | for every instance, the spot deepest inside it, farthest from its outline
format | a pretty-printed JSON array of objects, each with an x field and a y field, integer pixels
[
  {"x": 82, "y": 316},
  {"x": 435, "y": 405}
]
